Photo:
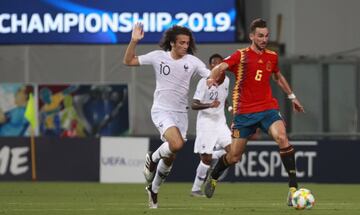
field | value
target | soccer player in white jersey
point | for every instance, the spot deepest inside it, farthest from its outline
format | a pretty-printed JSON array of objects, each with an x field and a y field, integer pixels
[
  {"x": 174, "y": 66},
  {"x": 212, "y": 133}
]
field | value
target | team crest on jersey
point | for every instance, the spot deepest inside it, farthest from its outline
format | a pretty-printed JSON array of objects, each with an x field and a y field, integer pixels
[
  {"x": 186, "y": 68},
  {"x": 268, "y": 66}
]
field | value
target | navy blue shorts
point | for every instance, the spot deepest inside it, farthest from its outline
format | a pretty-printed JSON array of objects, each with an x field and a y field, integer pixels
[{"x": 245, "y": 125}]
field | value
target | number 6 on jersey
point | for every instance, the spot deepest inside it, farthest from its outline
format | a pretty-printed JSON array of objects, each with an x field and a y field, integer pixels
[{"x": 258, "y": 75}]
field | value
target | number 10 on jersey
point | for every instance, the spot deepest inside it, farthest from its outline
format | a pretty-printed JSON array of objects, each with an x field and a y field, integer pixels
[{"x": 164, "y": 69}]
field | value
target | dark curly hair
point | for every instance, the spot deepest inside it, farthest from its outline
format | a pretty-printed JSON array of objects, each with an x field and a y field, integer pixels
[{"x": 170, "y": 36}]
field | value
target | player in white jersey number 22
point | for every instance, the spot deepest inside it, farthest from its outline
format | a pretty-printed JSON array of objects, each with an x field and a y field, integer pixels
[{"x": 213, "y": 136}]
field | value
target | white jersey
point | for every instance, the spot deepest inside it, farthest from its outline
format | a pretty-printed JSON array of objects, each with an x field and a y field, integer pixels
[
  {"x": 211, "y": 118},
  {"x": 173, "y": 78}
]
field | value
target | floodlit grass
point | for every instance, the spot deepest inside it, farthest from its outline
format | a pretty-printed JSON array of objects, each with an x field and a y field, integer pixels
[{"x": 126, "y": 199}]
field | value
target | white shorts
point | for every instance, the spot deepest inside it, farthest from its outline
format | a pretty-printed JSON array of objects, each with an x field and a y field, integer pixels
[
  {"x": 208, "y": 141},
  {"x": 163, "y": 120}
]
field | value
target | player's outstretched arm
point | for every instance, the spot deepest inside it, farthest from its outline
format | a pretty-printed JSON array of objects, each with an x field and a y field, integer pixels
[
  {"x": 215, "y": 74},
  {"x": 284, "y": 85},
  {"x": 137, "y": 34},
  {"x": 197, "y": 105}
]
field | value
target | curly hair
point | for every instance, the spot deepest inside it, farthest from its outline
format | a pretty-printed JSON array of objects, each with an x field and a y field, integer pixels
[{"x": 170, "y": 36}]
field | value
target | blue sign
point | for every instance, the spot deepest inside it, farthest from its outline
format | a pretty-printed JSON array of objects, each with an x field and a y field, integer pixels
[
  {"x": 322, "y": 161},
  {"x": 111, "y": 21}
]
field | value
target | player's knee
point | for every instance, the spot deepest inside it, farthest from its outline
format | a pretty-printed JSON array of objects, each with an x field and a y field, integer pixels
[
  {"x": 281, "y": 139},
  {"x": 206, "y": 159},
  {"x": 175, "y": 146},
  {"x": 233, "y": 159}
]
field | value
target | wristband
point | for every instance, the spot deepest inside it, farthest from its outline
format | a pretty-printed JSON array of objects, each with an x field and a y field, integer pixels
[{"x": 291, "y": 96}]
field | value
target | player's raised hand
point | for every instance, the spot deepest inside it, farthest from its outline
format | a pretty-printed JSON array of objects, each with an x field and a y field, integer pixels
[
  {"x": 138, "y": 32},
  {"x": 297, "y": 106}
]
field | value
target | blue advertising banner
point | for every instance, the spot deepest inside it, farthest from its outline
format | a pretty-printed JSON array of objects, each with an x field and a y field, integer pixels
[
  {"x": 110, "y": 22},
  {"x": 57, "y": 159},
  {"x": 324, "y": 161},
  {"x": 67, "y": 159}
]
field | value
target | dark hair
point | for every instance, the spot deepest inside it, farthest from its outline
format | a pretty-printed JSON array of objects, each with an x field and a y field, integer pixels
[
  {"x": 216, "y": 55},
  {"x": 257, "y": 23},
  {"x": 170, "y": 36}
]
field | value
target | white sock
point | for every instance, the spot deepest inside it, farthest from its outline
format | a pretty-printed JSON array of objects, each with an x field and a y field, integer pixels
[
  {"x": 162, "y": 172},
  {"x": 218, "y": 153},
  {"x": 200, "y": 176},
  {"x": 161, "y": 152}
]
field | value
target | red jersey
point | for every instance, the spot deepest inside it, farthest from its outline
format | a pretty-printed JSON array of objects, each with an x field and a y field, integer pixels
[{"x": 252, "y": 91}]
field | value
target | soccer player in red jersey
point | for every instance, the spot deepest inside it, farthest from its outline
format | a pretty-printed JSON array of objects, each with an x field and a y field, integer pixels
[{"x": 253, "y": 104}]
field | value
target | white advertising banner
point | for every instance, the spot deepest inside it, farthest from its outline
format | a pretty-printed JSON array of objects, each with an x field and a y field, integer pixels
[{"x": 122, "y": 159}]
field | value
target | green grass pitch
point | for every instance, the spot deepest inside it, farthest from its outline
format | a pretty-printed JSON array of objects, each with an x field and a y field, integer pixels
[{"x": 127, "y": 199}]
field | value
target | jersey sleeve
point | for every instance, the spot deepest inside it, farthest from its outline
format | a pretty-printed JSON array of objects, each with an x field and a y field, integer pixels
[
  {"x": 232, "y": 60},
  {"x": 276, "y": 64},
  {"x": 200, "y": 90},
  {"x": 201, "y": 68},
  {"x": 148, "y": 58}
]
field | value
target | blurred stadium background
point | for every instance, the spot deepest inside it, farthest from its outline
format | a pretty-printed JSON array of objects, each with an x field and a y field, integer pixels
[{"x": 93, "y": 113}]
